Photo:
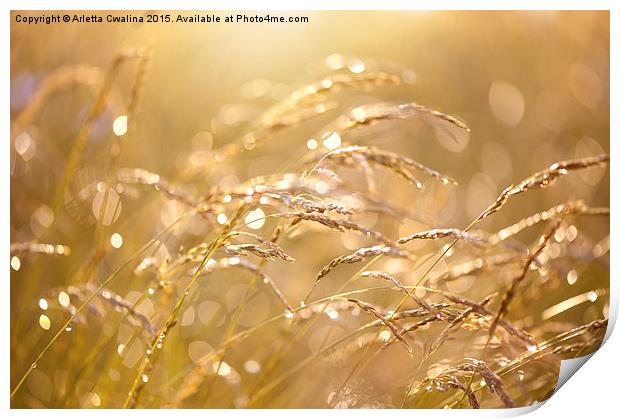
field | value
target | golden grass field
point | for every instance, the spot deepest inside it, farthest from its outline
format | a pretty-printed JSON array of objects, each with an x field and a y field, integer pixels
[{"x": 370, "y": 209}]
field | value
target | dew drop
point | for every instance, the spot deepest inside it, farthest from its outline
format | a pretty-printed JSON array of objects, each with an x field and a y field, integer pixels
[
  {"x": 16, "y": 263},
  {"x": 255, "y": 219},
  {"x": 335, "y": 61},
  {"x": 356, "y": 66},
  {"x": 44, "y": 322},
  {"x": 63, "y": 299},
  {"x": 332, "y": 140},
  {"x": 252, "y": 366},
  {"x": 332, "y": 314},
  {"x": 210, "y": 265},
  {"x": 221, "y": 218},
  {"x": 222, "y": 368},
  {"x": 321, "y": 187},
  {"x": 312, "y": 144},
  {"x": 572, "y": 276},
  {"x": 25, "y": 146},
  {"x": 116, "y": 240},
  {"x": 119, "y": 126},
  {"x": 43, "y": 304}
]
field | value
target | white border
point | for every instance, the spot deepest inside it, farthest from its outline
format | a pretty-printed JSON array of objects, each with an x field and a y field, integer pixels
[
  {"x": 314, "y": 5},
  {"x": 592, "y": 393}
]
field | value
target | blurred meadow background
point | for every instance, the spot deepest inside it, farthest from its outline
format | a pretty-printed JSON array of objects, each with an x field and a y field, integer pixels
[{"x": 144, "y": 158}]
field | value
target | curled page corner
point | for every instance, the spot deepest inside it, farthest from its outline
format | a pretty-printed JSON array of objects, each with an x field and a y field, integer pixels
[
  {"x": 568, "y": 367},
  {"x": 613, "y": 313},
  {"x": 519, "y": 411}
]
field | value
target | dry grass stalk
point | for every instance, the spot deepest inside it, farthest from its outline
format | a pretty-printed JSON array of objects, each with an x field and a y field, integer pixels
[
  {"x": 454, "y": 382},
  {"x": 314, "y": 92},
  {"x": 421, "y": 323},
  {"x": 438, "y": 233},
  {"x": 117, "y": 301},
  {"x": 155, "y": 347},
  {"x": 327, "y": 174},
  {"x": 267, "y": 128},
  {"x": 144, "y": 177},
  {"x": 291, "y": 191},
  {"x": 291, "y": 118},
  {"x": 236, "y": 262},
  {"x": 481, "y": 309},
  {"x": 138, "y": 84},
  {"x": 575, "y": 349},
  {"x": 342, "y": 305},
  {"x": 445, "y": 308},
  {"x": 399, "y": 164},
  {"x": 338, "y": 306},
  {"x": 271, "y": 244},
  {"x": 543, "y": 179},
  {"x": 454, "y": 323},
  {"x": 475, "y": 266},
  {"x": 196, "y": 376},
  {"x": 492, "y": 380},
  {"x": 62, "y": 78},
  {"x": 33, "y": 247},
  {"x": 451, "y": 377},
  {"x": 301, "y": 105},
  {"x": 569, "y": 208},
  {"x": 265, "y": 249},
  {"x": 78, "y": 310},
  {"x": 508, "y": 297},
  {"x": 337, "y": 224},
  {"x": 369, "y": 114},
  {"x": 369, "y": 308},
  {"x": 318, "y": 206},
  {"x": 263, "y": 252},
  {"x": 382, "y": 275},
  {"x": 283, "y": 191},
  {"x": 80, "y": 142},
  {"x": 355, "y": 257},
  {"x": 546, "y": 347}
]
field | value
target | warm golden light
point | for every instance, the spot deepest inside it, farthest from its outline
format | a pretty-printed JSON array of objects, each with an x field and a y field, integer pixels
[{"x": 306, "y": 209}]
